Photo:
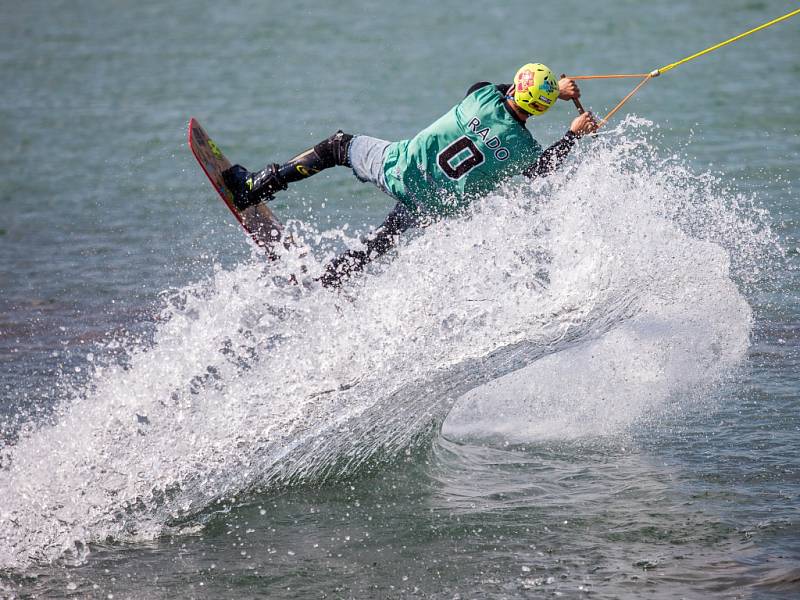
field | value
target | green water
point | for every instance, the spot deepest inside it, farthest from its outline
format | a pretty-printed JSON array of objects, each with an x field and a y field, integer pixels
[{"x": 104, "y": 208}]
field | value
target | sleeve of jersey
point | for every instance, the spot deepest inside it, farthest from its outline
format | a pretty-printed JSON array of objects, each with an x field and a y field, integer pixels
[
  {"x": 476, "y": 86},
  {"x": 551, "y": 159}
]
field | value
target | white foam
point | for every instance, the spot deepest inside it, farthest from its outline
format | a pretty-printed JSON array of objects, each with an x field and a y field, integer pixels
[{"x": 608, "y": 285}]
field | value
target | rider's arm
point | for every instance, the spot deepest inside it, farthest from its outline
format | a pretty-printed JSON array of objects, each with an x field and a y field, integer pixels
[{"x": 552, "y": 158}]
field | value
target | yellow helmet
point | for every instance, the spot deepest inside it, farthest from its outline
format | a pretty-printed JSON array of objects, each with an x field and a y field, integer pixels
[{"x": 535, "y": 88}]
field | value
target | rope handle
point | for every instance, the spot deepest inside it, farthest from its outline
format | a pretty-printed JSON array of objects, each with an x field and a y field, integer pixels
[
  {"x": 575, "y": 101},
  {"x": 605, "y": 119}
]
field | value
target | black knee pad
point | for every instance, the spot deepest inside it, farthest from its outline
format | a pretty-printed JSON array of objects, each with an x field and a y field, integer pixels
[{"x": 336, "y": 149}]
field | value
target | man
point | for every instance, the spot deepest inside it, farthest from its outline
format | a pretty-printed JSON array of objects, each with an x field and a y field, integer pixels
[{"x": 479, "y": 143}]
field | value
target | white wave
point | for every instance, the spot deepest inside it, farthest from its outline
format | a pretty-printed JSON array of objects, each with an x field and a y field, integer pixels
[
  {"x": 606, "y": 288},
  {"x": 629, "y": 225}
]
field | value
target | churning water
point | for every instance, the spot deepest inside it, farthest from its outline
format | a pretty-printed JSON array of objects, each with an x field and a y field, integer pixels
[
  {"x": 588, "y": 385},
  {"x": 587, "y": 302}
]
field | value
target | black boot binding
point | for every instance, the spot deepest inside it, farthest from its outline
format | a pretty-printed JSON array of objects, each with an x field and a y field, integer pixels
[{"x": 251, "y": 188}]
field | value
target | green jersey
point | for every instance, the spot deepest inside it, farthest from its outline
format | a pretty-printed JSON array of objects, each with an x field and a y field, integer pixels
[{"x": 464, "y": 154}]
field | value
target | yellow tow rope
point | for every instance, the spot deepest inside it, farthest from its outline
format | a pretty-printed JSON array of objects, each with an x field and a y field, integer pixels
[{"x": 656, "y": 72}]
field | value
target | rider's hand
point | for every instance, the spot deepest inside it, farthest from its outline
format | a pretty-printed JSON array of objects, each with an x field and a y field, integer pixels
[
  {"x": 568, "y": 89},
  {"x": 583, "y": 124}
]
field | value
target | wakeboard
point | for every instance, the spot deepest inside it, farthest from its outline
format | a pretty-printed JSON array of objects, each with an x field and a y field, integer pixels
[{"x": 258, "y": 221}]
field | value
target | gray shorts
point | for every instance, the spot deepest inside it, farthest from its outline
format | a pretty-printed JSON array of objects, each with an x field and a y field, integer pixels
[{"x": 366, "y": 156}]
